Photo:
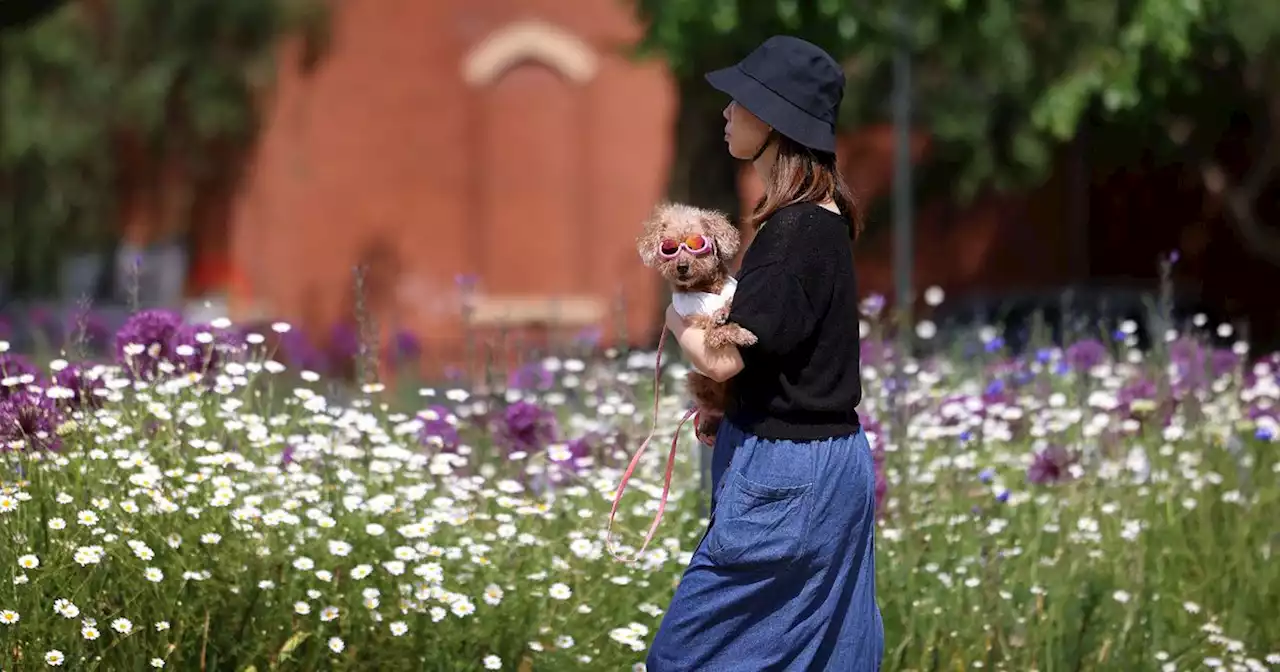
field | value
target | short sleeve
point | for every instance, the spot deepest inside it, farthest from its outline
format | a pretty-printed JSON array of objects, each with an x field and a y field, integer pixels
[{"x": 771, "y": 303}]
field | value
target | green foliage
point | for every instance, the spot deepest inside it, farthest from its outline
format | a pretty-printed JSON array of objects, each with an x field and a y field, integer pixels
[
  {"x": 999, "y": 84},
  {"x": 55, "y": 163},
  {"x": 180, "y": 80}
]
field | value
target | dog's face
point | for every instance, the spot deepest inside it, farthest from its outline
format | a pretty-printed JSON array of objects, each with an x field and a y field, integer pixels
[{"x": 689, "y": 246}]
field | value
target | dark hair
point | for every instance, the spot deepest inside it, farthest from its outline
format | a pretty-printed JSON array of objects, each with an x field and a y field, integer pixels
[{"x": 802, "y": 175}]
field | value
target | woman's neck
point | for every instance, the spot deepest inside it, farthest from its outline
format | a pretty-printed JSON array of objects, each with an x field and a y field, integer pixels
[
  {"x": 764, "y": 170},
  {"x": 764, "y": 163}
]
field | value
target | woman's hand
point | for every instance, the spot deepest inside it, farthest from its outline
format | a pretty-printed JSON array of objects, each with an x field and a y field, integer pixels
[{"x": 675, "y": 321}]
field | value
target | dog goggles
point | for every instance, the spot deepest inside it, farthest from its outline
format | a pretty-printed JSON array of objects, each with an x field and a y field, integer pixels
[{"x": 695, "y": 244}]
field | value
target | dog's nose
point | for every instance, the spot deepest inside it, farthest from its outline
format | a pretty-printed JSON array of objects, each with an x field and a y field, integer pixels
[{"x": 682, "y": 267}]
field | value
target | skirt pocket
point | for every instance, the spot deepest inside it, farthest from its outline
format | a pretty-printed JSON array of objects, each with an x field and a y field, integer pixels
[{"x": 758, "y": 526}]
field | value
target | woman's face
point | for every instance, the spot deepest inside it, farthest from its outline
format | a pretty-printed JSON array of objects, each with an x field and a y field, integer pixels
[{"x": 744, "y": 132}]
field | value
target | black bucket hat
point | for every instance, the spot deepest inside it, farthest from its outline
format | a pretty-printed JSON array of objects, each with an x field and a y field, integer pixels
[{"x": 790, "y": 84}]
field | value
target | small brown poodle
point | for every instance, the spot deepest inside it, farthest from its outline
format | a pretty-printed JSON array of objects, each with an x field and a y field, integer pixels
[{"x": 691, "y": 248}]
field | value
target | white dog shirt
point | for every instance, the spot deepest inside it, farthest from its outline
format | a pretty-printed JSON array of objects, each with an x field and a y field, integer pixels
[{"x": 703, "y": 303}]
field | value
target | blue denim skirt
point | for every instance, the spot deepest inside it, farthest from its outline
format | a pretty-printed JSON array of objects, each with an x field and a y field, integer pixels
[{"x": 784, "y": 579}]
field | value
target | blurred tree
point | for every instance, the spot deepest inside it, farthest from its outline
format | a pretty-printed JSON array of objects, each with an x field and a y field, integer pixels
[
  {"x": 1220, "y": 114},
  {"x": 149, "y": 96},
  {"x": 999, "y": 85},
  {"x": 17, "y": 13}
]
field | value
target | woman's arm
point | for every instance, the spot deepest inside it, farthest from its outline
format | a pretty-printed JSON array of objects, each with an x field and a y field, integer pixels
[{"x": 719, "y": 365}]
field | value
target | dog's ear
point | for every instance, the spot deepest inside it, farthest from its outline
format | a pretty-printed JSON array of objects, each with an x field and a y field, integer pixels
[
  {"x": 651, "y": 235},
  {"x": 727, "y": 238}
]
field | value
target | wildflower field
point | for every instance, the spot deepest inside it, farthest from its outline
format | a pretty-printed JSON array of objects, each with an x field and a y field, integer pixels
[{"x": 190, "y": 499}]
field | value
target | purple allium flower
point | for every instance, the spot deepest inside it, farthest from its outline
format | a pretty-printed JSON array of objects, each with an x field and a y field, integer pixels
[
  {"x": 45, "y": 325},
  {"x": 872, "y": 305},
  {"x": 438, "y": 428},
  {"x": 344, "y": 341},
  {"x": 1051, "y": 465},
  {"x": 299, "y": 352},
  {"x": 15, "y": 374},
  {"x": 871, "y": 426},
  {"x": 153, "y": 330},
  {"x": 576, "y": 453},
  {"x": 210, "y": 347},
  {"x": 404, "y": 348},
  {"x": 82, "y": 388},
  {"x": 532, "y": 376},
  {"x": 1198, "y": 364},
  {"x": 1140, "y": 389},
  {"x": 29, "y": 421},
  {"x": 882, "y": 486},
  {"x": 589, "y": 337},
  {"x": 1086, "y": 354},
  {"x": 526, "y": 427},
  {"x": 466, "y": 281},
  {"x": 90, "y": 330}
]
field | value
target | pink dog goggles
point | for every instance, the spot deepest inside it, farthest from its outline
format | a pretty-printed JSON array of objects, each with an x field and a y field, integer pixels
[{"x": 697, "y": 245}]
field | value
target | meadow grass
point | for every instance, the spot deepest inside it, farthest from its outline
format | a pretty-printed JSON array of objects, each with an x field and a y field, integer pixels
[{"x": 198, "y": 505}]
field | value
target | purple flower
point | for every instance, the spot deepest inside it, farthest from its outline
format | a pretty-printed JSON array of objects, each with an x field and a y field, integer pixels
[
  {"x": 438, "y": 429},
  {"x": 882, "y": 485},
  {"x": 30, "y": 421},
  {"x": 344, "y": 341},
  {"x": 1086, "y": 354},
  {"x": 301, "y": 353},
  {"x": 997, "y": 392},
  {"x": 1051, "y": 465},
  {"x": 154, "y": 331},
  {"x": 91, "y": 330},
  {"x": 533, "y": 376},
  {"x": 526, "y": 427},
  {"x": 45, "y": 325},
  {"x": 872, "y": 305},
  {"x": 404, "y": 348},
  {"x": 210, "y": 347},
  {"x": 1198, "y": 364},
  {"x": 589, "y": 337},
  {"x": 579, "y": 449},
  {"x": 82, "y": 387}
]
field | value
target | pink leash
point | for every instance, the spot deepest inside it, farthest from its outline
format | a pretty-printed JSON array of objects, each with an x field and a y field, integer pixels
[{"x": 671, "y": 462}]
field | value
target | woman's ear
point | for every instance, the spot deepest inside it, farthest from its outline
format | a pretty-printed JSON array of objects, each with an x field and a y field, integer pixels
[{"x": 726, "y": 236}]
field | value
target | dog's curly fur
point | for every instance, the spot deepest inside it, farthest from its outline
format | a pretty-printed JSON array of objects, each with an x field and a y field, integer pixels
[{"x": 689, "y": 273}]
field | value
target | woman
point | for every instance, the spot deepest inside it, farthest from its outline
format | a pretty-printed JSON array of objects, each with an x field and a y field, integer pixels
[{"x": 784, "y": 578}]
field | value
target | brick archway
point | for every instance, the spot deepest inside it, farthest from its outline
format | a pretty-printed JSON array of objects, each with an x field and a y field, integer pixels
[
  {"x": 531, "y": 181},
  {"x": 545, "y": 43}
]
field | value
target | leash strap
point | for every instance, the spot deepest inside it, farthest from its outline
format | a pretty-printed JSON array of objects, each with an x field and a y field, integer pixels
[{"x": 635, "y": 460}]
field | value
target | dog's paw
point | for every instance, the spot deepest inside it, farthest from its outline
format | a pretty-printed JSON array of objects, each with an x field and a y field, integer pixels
[{"x": 727, "y": 334}]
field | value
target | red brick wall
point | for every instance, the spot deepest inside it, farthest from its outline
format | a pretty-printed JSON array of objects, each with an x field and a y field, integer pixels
[{"x": 533, "y": 181}]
